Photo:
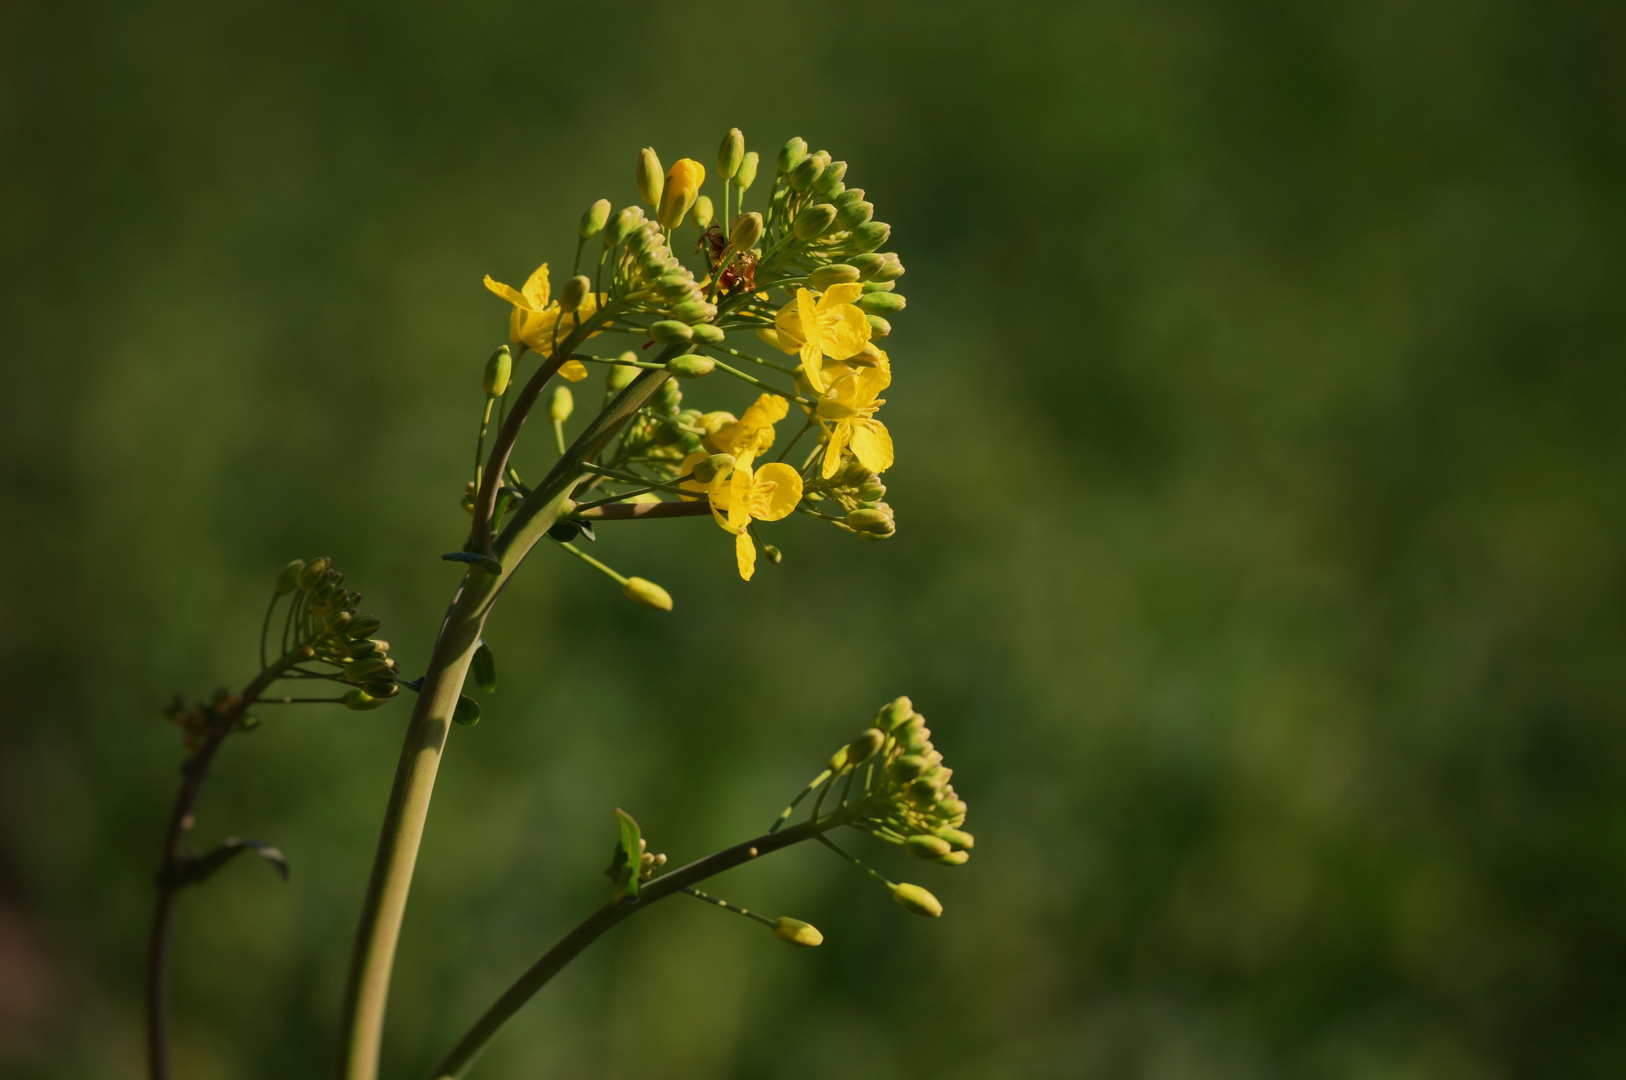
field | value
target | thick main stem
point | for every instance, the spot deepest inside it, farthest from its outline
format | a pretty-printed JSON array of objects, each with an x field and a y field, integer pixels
[{"x": 362, "y": 1023}]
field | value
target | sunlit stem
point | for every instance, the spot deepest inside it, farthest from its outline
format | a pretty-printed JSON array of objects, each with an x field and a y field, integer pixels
[
  {"x": 808, "y": 790},
  {"x": 726, "y": 906},
  {"x": 590, "y": 561},
  {"x": 754, "y": 359},
  {"x": 833, "y": 846}
]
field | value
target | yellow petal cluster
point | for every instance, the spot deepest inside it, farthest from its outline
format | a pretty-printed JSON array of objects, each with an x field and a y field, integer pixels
[
  {"x": 850, "y": 404},
  {"x": 682, "y": 187},
  {"x": 831, "y": 325},
  {"x": 535, "y": 323}
]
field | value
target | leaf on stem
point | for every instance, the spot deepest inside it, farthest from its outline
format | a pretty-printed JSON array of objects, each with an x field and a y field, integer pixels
[
  {"x": 199, "y": 870},
  {"x": 629, "y": 849},
  {"x": 485, "y": 668}
]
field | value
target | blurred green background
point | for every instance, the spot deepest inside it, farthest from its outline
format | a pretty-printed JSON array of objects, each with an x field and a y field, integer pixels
[{"x": 1259, "y": 408}]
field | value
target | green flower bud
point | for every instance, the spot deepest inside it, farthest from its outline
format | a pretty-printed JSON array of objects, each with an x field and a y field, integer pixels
[
  {"x": 359, "y": 700},
  {"x": 878, "y": 327},
  {"x": 894, "y": 713},
  {"x": 668, "y": 397},
  {"x": 623, "y": 225},
  {"x": 805, "y": 172},
  {"x": 906, "y": 768},
  {"x": 957, "y": 839},
  {"x": 873, "y": 491},
  {"x": 383, "y": 691},
  {"x": 467, "y": 712},
  {"x": 499, "y": 369},
  {"x": 747, "y": 231},
  {"x": 917, "y": 901},
  {"x": 926, "y": 846},
  {"x": 748, "y": 171},
  {"x": 797, "y": 932},
  {"x": 773, "y": 554},
  {"x": 952, "y": 809},
  {"x": 595, "y": 217},
  {"x": 891, "y": 267},
  {"x": 562, "y": 404},
  {"x": 868, "y": 264},
  {"x": 366, "y": 626},
  {"x": 676, "y": 284},
  {"x": 814, "y": 222},
  {"x": 791, "y": 156},
  {"x": 314, "y": 572},
  {"x": 707, "y": 334},
  {"x": 835, "y": 274},
  {"x": 690, "y": 366},
  {"x": 848, "y": 195},
  {"x": 853, "y": 214},
  {"x": 701, "y": 214},
  {"x": 651, "y": 177},
  {"x": 829, "y": 180},
  {"x": 671, "y": 332},
  {"x": 863, "y": 521},
  {"x": 623, "y": 373},
  {"x": 363, "y": 670},
  {"x": 574, "y": 292},
  {"x": 731, "y": 153},
  {"x": 868, "y": 741},
  {"x": 881, "y": 303},
  {"x": 870, "y": 235},
  {"x": 647, "y": 593},
  {"x": 953, "y": 858},
  {"x": 880, "y": 286},
  {"x": 694, "y": 311},
  {"x": 706, "y": 469},
  {"x": 288, "y": 577}
]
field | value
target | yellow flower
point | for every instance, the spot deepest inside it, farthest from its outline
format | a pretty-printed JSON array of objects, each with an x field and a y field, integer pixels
[
  {"x": 832, "y": 327},
  {"x": 752, "y": 433},
  {"x": 851, "y": 405},
  {"x": 766, "y": 494},
  {"x": 682, "y": 187},
  {"x": 533, "y": 321}
]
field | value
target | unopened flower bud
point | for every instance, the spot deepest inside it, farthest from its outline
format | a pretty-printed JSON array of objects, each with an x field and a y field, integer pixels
[
  {"x": 917, "y": 901},
  {"x": 834, "y": 274},
  {"x": 731, "y": 153},
  {"x": 953, "y": 858},
  {"x": 683, "y": 182},
  {"x": 774, "y": 555},
  {"x": 706, "y": 469},
  {"x": 805, "y": 172},
  {"x": 878, "y": 327},
  {"x": 288, "y": 577},
  {"x": 366, "y": 626},
  {"x": 467, "y": 711},
  {"x": 881, "y": 303},
  {"x": 647, "y": 593},
  {"x": 499, "y": 369},
  {"x": 847, "y": 195},
  {"x": 797, "y": 932},
  {"x": 650, "y": 176},
  {"x": 747, "y": 231},
  {"x": 675, "y": 284},
  {"x": 925, "y": 846},
  {"x": 871, "y": 521},
  {"x": 574, "y": 292},
  {"x": 700, "y": 216},
  {"x": 814, "y": 222},
  {"x": 792, "y": 154},
  {"x": 870, "y": 235},
  {"x": 868, "y": 741},
  {"x": 829, "y": 180},
  {"x": 690, "y": 366},
  {"x": 891, "y": 267},
  {"x": 894, "y": 713},
  {"x": 957, "y": 839},
  {"x": 382, "y": 690},
  {"x": 595, "y": 217},
  {"x": 362, "y": 670},
  {"x": 314, "y": 572},
  {"x": 838, "y": 760},
  {"x": 360, "y": 700},
  {"x": 851, "y": 215},
  {"x": 623, "y": 225},
  {"x": 906, "y": 768},
  {"x": 707, "y": 334},
  {"x": 623, "y": 373},
  {"x": 868, "y": 264},
  {"x": 879, "y": 286},
  {"x": 671, "y": 332},
  {"x": 748, "y": 171},
  {"x": 561, "y": 405},
  {"x": 694, "y": 311}
]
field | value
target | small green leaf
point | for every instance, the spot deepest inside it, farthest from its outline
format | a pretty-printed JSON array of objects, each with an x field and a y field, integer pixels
[
  {"x": 467, "y": 712},
  {"x": 198, "y": 870},
  {"x": 624, "y": 863},
  {"x": 485, "y": 668}
]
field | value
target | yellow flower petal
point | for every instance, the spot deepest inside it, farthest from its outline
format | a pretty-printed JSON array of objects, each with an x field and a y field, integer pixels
[
  {"x": 813, "y": 366},
  {"x": 507, "y": 292},
  {"x": 849, "y": 335},
  {"x": 777, "y": 340},
  {"x": 870, "y": 383},
  {"x": 688, "y": 467},
  {"x": 872, "y": 445},
  {"x": 832, "y": 453},
  {"x": 536, "y": 288},
  {"x": 574, "y": 370},
  {"x": 740, "y": 485},
  {"x": 745, "y": 554},
  {"x": 779, "y": 488},
  {"x": 845, "y": 293}
]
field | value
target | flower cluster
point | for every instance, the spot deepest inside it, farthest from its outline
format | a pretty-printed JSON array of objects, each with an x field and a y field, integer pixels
[
  {"x": 802, "y": 275},
  {"x": 325, "y": 626}
]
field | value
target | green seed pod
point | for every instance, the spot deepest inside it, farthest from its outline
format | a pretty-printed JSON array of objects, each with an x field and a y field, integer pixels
[
  {"x": 834, "y": 274},
  {"x": 690, "y": 366},
  {"x": 906, "y": 768},
  {"x": 467, "y": 712},
  {"x": 484, "y": 668},
  {"x": 894, "y": 713},
  {"x": 595, "y": 217},
  {"x": 360, "y": 700},
  {"x": 926, "y": 846},
  {"x": 806, "y": 171},
  {"x": 748, "y": 171},
  {"x": 366, "y": 626},
  {"x": 829, "y": 181},
  {"x": 953, "y": 858},
  {"x": 815, "y": 221},
  {"x": 747, "y": 231},
  {"x": 707, "y": 334},
  {"x": 773, "y": 554},
  {"x": 623, "y": 225},
  {"x": 917, "y": 901},
  {"x": 562, "y": 404},
  {"x": 694, "y": 311},
  {"x": 499, "y": 369},
  {"x": 651, "y": 177},
  {"x": 288, "y": 577},
  {"x": 706, "y": 469},
  {"x": 891, "y": 267},
  {"x": 870, "y": 235},
  {"x": 315, "y": 573},
  {"x": 671, "y": 332},
  {"x": 853, "y": 214},
  {"x": 647, "y": 593},
  {"x": 869, "y": 740},
  {"x": 731, "y": 153},
  {"x": 957, "y": 839},
  {"x": 878, "y": 327},
  {"x": 700, "y": 216},
  {"x": 868, "y": 264},
  {"x": 870, "y": 521},
  {"x": 792, "y": 155},
  {"x": 881, "y": 303},
  {"x": 797, "y": 932},
  {"x": 574, "y": 292},
  {"x": 622, "y": 374}
]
